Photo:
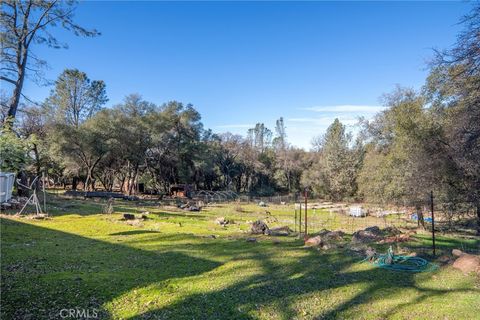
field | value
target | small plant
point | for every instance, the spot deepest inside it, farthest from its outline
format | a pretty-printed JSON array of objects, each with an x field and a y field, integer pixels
[
  {"x": 238, "y": 208},
  {"x": 108, "y": 206}
]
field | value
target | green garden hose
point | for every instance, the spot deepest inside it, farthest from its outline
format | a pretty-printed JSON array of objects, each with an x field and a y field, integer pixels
[{"x": 390, "y": 261}]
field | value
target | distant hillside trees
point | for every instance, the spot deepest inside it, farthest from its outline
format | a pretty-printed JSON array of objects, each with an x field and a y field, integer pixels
[{"x": 426, "y": 140}]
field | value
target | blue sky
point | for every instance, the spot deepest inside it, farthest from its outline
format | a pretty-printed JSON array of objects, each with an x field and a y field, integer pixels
[{"x": 240, "y": 63}]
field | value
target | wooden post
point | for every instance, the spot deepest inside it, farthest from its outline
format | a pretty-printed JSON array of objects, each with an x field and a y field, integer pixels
[
  {"x": 433, "y": 222},
  {"x": 305, "y": 195}
]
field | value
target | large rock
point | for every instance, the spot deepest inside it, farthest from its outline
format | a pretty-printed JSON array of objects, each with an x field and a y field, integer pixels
[
  {"x": 280, "y": 231},
  {"x": 221, "y": 221},
  {"x": 329, "y": 246},
  {"x": 259, "y": 227},
  {"x": 128, "y": 216},
  {"x": 374, "y": 230},
  {"x": 314, "y": 241},
  {"x": 371, "y": 254},
  {"x": 468, "y": 263},
  {"x": 457, "y": 253},
  {"x": 332, "y": 236},
  {"x": 391, "y": 231},
  {"x": 365, "y": 236}
]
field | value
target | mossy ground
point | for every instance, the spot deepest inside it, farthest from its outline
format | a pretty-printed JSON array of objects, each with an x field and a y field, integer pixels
[{"x": 169, "y": 267}]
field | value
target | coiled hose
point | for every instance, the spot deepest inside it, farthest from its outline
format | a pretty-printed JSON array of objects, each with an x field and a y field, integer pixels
[{"x": 390, "y": 261}]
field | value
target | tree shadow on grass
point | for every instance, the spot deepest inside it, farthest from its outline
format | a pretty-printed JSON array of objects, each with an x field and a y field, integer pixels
[
  {"x": 281, "y": 286},
  {"x": 132, "y": 232},
  {"x": 45, "y": 271},
  {"x": 186, "y": 214}
]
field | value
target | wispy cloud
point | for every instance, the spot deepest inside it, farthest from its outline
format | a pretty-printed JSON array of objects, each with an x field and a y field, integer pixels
[
  {"x": 346, "y": 108},
  {"x": 324, "y": 121}
]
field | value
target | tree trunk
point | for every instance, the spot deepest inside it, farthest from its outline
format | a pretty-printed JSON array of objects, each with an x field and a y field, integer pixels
[
  {"x": 17, "y": 91},
  {"x": 37, "y": 159},
  {"x": 420, "y": 217},
  {"x": 88, "y": 180},
  {"x": 478, "y": 218}
]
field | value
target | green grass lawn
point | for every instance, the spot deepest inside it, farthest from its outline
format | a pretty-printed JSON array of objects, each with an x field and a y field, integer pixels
[{"x": 169, "y": 267}]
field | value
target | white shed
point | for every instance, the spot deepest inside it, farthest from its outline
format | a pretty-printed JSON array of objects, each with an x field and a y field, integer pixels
[
  {"x": 6, "y": 186},
  {"x": 357, "y": 211}
]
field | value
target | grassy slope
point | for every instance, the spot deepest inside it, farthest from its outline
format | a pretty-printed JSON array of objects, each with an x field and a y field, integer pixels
[{"x": 169, "y": 268}]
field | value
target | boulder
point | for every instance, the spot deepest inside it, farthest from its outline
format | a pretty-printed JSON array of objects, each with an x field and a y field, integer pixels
[
  {"x": 259, "y": 227},
  {"x": 314, "y": 241},
  {"x": 329, "y": 246},
  {"x": 392, "y": 231},
  {"x": 251, "y": 240},
  {"x": 468, "y": 263},
  {"x": 332, "y": 235},
  {"x": 128, "y": 216},
  {"x": 280, "y": 231},
  {"x": 371, "y": 254},
  {"x": 374, "y": 230},
  {"x": 358, "y": 248},
  {"x": 364, "y": 236},
  {"x": 221, "y": 221},
  {"x": 262, "y": 204},
  {"x": 457, "y": 253}
]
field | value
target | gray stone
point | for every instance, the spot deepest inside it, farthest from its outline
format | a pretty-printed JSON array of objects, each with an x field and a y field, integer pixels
[
  {"x": 259, "y": 227},
  {"x": 128, "y": 216},
  {"x": 457, "y": 253}
]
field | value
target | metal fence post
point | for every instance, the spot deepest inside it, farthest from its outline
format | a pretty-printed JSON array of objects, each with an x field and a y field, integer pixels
[
  {"x": 306, "y": 203},
  {"x": 433, "y": 222}
]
